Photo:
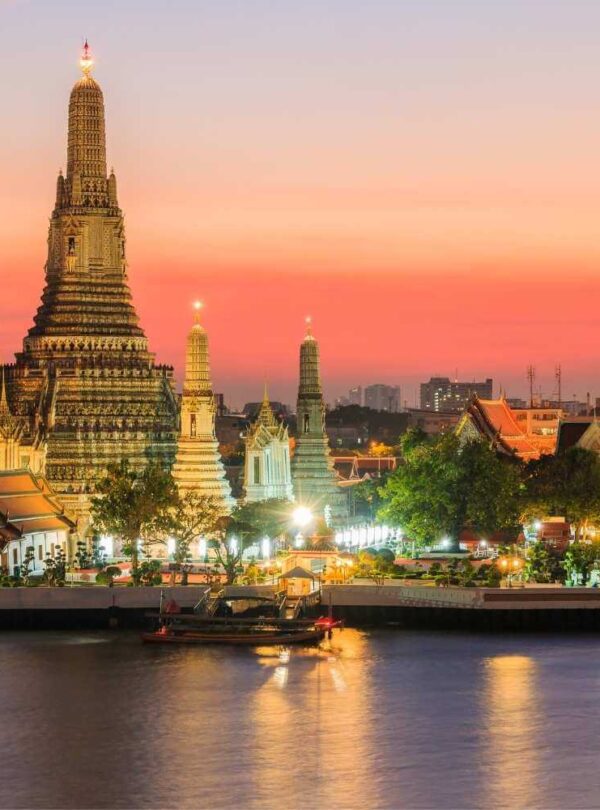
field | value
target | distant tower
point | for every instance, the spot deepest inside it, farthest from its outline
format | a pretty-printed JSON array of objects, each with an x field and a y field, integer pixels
[
  {"x": 198, "y": 466},
  {"x": 315, "y": 481},
  {"x": 267, "y": 471}
]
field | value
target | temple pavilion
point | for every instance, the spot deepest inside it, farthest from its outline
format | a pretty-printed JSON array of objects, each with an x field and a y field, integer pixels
[{"x": 267, "y": 472}]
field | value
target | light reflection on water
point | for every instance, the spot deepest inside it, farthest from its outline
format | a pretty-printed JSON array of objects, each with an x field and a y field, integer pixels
[{"x": 373, "y": 720}]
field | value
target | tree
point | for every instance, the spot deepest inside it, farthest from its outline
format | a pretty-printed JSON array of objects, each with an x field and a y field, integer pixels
[
  {"x": 134, "y": 505},
  {"x": 26, "y": 565},
  {"x": 247, "y": 525},
  {"x": 579, "y": 560},
  {"x": 539, "y": 565},
  {"x": 55, "y": 569},
  {"x": 567, "y": 485},
  {"x": 442, "y": 487},
  {"x": 193, "y": 515}
]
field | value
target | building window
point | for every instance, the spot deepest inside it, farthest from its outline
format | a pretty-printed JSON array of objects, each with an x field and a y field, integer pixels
[
  {"x": 15, "y": 556},
  {"x": 40, "y": 553},
  {"x": 256, "y": 470},
  {"x": 193, "y": 426}
]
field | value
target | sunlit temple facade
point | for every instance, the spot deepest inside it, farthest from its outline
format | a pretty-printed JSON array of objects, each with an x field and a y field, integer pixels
[
  {"x": 314, "y": 478},
  {"x": 267, "y": 471},
  {"x": 198, "y": 466},
  {"x": 85, "y": 389}
]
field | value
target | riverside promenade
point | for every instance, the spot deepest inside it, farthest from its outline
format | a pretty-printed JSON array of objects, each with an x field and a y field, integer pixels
[
  {"x": 360, "y": 603},
  {"x": 531, "y": 607}
]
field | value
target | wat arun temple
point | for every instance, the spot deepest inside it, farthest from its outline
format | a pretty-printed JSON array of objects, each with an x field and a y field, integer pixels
[{"x": 86, "y": 391}]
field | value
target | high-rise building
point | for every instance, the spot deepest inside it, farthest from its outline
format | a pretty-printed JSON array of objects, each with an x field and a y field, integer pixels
[
  {"x": 355, "y": 395},
  {"x": 85, "y": 386},
  {"x": 267, "y": 471},
  {"x": 452, "y": 396},
  {"x": 381, "y": 397},
  {"x": 313, "y": 475},
  {"x": 198, "y": 466}
]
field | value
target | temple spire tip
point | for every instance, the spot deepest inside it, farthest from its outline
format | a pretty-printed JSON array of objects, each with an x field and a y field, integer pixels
[
  {"x": 86, "y": 62},
  {"x": 197, "y": 305}
]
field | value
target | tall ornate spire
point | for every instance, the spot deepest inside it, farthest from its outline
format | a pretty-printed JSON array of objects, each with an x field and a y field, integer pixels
[
  {"x": 85, "y": 380},
  {"x": 312, "y": 467},
  {"x": 310, "y": 377},
  {"x": 86, "y": 145},
  {"x": 198, "y": 466},
  {"x": 265, "y": 415},
  {"x": 197, "y": 365}
]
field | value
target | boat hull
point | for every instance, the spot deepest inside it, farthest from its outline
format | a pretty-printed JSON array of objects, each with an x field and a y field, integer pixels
[{"x": 242, "y": 640}]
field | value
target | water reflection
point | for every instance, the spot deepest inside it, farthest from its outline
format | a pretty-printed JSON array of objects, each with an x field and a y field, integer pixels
[
  {"x": 514, "y": 729},
  {"x": 313, "y": 720}
]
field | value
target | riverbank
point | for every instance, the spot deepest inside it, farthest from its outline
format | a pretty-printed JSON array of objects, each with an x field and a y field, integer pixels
[
  {"x": 530, "y": 608},
  {"x": 534, "y": 608}
]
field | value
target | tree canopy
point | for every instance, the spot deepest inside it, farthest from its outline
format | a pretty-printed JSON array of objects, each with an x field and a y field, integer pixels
[
  {"x": 566, "y": 485},
  {"x": 444, "y": 486},
  {"x": 134, "y": 505}
]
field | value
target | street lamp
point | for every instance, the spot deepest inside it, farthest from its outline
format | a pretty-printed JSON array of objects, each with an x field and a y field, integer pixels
[
  {"x": 510, "y": 566},
  {"x": 302, "y": 516}
]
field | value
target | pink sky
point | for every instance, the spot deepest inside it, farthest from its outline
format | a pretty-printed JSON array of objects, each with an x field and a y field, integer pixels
[{"x": 420, "y": 178}]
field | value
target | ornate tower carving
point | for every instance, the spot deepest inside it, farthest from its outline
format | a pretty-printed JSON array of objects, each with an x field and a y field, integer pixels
[
  {"x": 85, "y": 382},
  {"x": 312, "y": 468},
  {"x": 198, "y": 466}
]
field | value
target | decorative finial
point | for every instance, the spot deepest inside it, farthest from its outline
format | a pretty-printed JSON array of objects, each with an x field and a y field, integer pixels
[
  {"x": 308, "y": 321},
  {"x": 197, "y": 307},
  {"x": 266, "y": 393},
  {"x": 86, "y": 62}
]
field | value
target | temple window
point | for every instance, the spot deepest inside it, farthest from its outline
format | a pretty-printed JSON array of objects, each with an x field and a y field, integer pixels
[
  {"x": 256, "y": 470},
  {"x": 193, "y": 425},
  {"x": 71, "y": 246},
  {"x": 306, "y": 423}
]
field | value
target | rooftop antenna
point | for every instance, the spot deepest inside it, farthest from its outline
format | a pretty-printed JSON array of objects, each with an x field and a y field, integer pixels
[
  {"x": 558, "y": 376},
  {"x": 531, "y": 378}
]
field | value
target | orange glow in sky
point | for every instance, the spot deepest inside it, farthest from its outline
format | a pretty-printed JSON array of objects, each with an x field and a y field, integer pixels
[{"x": 422, "y": 178}]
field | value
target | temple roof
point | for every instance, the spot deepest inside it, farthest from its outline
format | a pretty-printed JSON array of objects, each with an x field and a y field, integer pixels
[
  {"x": 494, "y": 420},
  {"x": 27, "y": 504},
  {"x": 570, "y": 432}
]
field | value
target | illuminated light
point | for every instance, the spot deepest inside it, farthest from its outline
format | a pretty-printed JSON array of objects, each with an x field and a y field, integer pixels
[
  {"x": 445, "y": 542},
  {"x": 299, "y": 540},
  {"x": 171, "y": 545},
  {"x": 483, "y": 543},
  {"x": 516, "y": 563},
  {"x": 302, "y": 516},
  {"x": 265, "y": 548},
  {"x": 284, "y": 655},
  {"x": 537, "y": 525},
  {"x": 107, "y": 544}
]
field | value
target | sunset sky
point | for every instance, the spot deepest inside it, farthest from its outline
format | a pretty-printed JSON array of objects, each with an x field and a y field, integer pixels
[{"x": 421, "y": 176}]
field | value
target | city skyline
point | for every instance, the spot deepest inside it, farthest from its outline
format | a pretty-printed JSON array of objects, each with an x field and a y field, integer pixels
[{"x": 408, "y": 267}]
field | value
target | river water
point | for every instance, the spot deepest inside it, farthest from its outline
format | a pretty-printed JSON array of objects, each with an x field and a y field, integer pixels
[{"x": 385, "y": 719}]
